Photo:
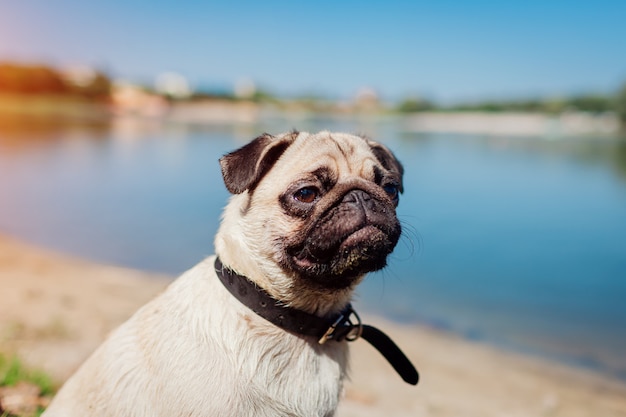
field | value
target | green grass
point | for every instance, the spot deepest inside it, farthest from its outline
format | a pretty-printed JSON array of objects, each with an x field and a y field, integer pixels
[{"x": 12, "y": 371}]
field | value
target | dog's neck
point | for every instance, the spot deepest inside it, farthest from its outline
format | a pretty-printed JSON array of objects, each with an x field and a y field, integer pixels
[
  {"x": 337, "y": 327},
  {"x": 322, "y": 328},
  {"x": 234, "y": 250},
  {"x": 273, "y": 280}
]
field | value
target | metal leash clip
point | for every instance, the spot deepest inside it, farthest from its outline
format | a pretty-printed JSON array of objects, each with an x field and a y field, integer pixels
[{"x": 350, "y": 331}]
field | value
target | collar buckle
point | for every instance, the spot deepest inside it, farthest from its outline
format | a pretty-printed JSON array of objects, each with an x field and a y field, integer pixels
[{"x": 344, "y": 328}]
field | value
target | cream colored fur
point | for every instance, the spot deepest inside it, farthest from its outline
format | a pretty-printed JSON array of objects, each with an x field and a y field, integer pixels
[{"x": 197, "y": 351}]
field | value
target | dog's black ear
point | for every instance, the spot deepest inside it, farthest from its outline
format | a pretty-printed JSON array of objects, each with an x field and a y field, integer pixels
[
  {"x": 243, "y": 169},
  {"x": 388, "y": 160}
]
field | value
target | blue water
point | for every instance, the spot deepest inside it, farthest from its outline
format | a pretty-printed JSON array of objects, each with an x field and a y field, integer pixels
[{"x": 514, "y": 241}]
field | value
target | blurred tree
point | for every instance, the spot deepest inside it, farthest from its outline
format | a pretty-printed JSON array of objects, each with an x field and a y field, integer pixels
[
  {"x": 591, "y": 103},
  {"x": 552, "y": 106},
  {"x": 10, "y": 78},
  {"x": 413, "y": 105},
  {"x": 586, "y": 103},
  {"x": 34, "y": 79},
  {"x": 620, "y": 106},
  {"x": 260, "y": 95},
  {"x": 98, "y": 87},
  {"x": 41, "y": 79}
]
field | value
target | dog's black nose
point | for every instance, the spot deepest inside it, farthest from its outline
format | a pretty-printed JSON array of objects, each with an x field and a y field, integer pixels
[{"x": 359, "y": 198}]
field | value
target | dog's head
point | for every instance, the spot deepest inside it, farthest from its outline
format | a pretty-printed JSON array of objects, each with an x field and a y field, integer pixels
[{"x": 316, "y": 210}]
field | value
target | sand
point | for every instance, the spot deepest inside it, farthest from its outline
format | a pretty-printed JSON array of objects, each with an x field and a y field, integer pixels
[{"x": 55, "y": 310}]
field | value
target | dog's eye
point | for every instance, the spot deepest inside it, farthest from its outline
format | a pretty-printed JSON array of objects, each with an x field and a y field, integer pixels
[
  {"x": 306, "y": 195},
  {"x": 391, "y": 190}
]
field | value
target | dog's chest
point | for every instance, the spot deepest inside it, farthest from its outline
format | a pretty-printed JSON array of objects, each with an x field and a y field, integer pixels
[
  {"x": 260, "y": 367},
  {"x": 309, "y": 382},
  {"x": 286, "y": 374}
]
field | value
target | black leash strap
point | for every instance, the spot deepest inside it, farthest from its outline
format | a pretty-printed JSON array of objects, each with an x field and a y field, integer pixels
[
  {"x": 337, "y": 328},
  {"x": 392, "y": 353}
]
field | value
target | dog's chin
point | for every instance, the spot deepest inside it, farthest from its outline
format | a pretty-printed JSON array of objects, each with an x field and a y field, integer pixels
[{"x": 343, "y": 262}]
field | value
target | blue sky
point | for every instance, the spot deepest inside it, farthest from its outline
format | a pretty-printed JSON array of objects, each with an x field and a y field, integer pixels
[{"x": 444, "y": 50}]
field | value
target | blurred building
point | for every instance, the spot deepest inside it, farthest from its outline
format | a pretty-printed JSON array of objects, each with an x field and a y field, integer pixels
[
  {"x": 173, "y": 85},
  {"x": 127, "y": 98}
]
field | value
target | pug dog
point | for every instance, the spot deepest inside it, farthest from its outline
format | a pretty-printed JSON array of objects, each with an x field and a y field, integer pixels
[{"x": 310, "y": 215}]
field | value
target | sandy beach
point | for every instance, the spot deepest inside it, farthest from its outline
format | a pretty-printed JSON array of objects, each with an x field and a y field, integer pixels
[{"x": 56, "y": 309}]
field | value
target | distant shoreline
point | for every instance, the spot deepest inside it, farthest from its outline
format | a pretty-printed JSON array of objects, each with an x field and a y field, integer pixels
[
  {"x": 515, "y": 124},
  {"x": 225, "y": 112}
]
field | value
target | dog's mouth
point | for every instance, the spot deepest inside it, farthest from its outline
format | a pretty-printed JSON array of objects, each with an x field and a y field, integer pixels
[
  {"x": 349, "y": 238},
  {"x": 309, "y": 255},
  {"x": 338, "y": 263}
]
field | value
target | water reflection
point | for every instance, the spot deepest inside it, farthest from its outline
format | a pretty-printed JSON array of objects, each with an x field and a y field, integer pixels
[
  {"x": 604, "y": 151},
  {"x": 31, "y": 132}
]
